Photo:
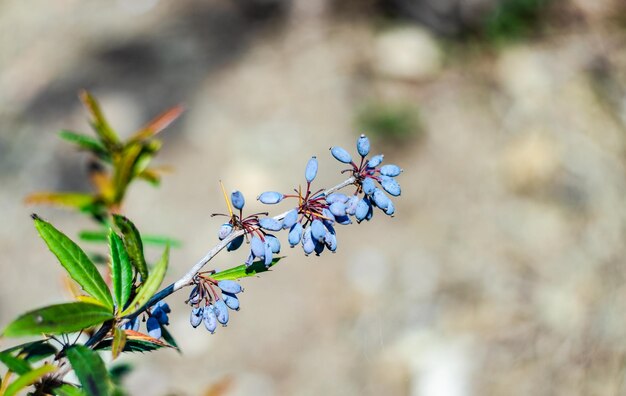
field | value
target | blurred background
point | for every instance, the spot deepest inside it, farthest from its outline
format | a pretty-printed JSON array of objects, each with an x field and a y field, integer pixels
[{"x": 503, "y": 271}]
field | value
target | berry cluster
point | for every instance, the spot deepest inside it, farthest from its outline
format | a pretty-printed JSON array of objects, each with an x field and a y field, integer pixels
[
  {"x": 157, "y": 317},
  {"x": 209, "y": 305}
]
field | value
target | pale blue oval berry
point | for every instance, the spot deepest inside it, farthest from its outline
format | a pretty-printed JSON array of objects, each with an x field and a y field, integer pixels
[
  {"x": 221, "y": 311},
  {"x": 267, "y": 253},
  {"x": 235, "y": 243},
  {"x": 271, "y": 224},
  {"x": 329, "y": 217},
  {"x": 363, "y": 145},
  {"x": 154, "y": 328},
  {"x": 237, "y": 199},
  {"x": 230, "y": 286},
  {"x": 160, "y": 316},
  {"x": 341, "y": 154},
  {"x": 196, "y": 317},
  {"x": 270, "y": 197},
  {"x": 375, "y": 161},
  {"x": 257, "y": 247},
  {"x": 231, "y": 301},
  {"x": 351, "y": 205},
  {"x": 368, "y": 186},
  {"x": 362, "y": 209},
  {"x": 318, "y": 230},
  {"x": 195, "y": 296},
  {"x": 337, "y": 209},
  {"x": 164, "y": 306},
  {"x": 380, "y": 199},
  {"x": 224, "y": 231},
  {"x": 290, "y": 219},
  {"x": 390, "y": 185},
  {"x": 336, "y": 197},
  {"x": 311, "y": 169},
  {"x": 390, "y": 170},
  {"x": 390, "y": 209},
  {"x": 330, "y": 240},
  {"x": 308, "y": 245},
  {"x": 295, "y": 234},
  {"x": 274, "y": 243},
  {"x": 210, "y": 319}
]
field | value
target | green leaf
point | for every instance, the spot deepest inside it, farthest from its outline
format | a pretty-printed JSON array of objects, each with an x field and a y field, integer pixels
[
  {"x": 38, "y": 350},
  {"x": 107, "y": 135},
  {"x": 119, "y": 341},
  {"x": 241, "y": 271},
  {"x": 90, "y": 370},
  {"x": 155, "y": 126},
  {"x": 71, "y": 200},
  {"x": 15, "y": 364},
  {"x": 60, "y": 318},
  {"x": 134, "y": 246},
  {"x": 121, "y": 271},
  {"x": 75, "y": 261},
  {"x": 157, "y": 240},
  {"x": 68, "y": 390},
  {"x": 151, "y": 285},
  {"x": 28, "y": 379},
  {"x": 124, "y": 170},
  {"x": 119, "y": 371},
  {"x": 135, "y": 342},
  {"x": 86, "y": 143},
  {"x": 167, "y": 336}
]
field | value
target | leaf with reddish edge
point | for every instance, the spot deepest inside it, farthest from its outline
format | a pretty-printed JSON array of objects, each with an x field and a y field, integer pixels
[{"x": 158, "y": 124}]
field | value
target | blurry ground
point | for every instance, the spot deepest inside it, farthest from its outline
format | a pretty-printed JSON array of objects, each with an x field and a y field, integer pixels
[{"x": 503, "y": 271}]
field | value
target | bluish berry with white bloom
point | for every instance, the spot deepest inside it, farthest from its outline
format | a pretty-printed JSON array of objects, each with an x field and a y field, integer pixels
[
  {"x": 318, "y": 230},
  {"x": 308, "y": 244},
  {"x": 352, "y": 204},
  {"x": 362, "y": 209},
  {"x": 221, "y": 311},
  {"x": 270, "y": 224},
  {"x": 131, "y": 324},
  {"x": 225, "y": 230},
  {"x": 390, "y": 170},
  {"x": 195, "y": 318},
  {"x": 380, "y": 199},
  {"x": 154, "y": 328},
  {"x": 231, "y": 301},
  {"x": 270, "y": 197},
  {"x": 257, "y": 247},
  {"x": 338, "y": 209},
  {"x": 390, "y": 185},
  {"x": 230, "y": 286},
  {"x": 336, "y": 197},
  {"x": 290, "y": 219},
  {"x": 210, "y": 318},
  {"x": 311, "y": 169},
  {"x": 273, "y": 242},
  {"x": 368, "y": 186},
  {"x": 341, "y": 154},
  {"x": 237, "y": 199},
  {"x": 295, "y": 234},
  {"x": 235, "y": 243},
  {"x": 363, "y": 146},
  {"x": 375, "y": 161}
]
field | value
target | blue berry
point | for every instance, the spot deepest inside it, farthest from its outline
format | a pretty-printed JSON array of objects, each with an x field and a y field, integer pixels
[
  {"x": 164, "y": 306},
  {"x": 336, "y": 197},
  {"x": 311, "y": 169},
  {"x": 224, "y": 231},
  {"x": 237, "y": 199},
  {"x": 230, "y": 286},
  {"x": 257, "y": 247},
  {"x": 390, "y": 185},
  {"x": 231, "y": 301},
  {"x": 267, "y": 253},
  {"x": 390, "y": 209},
  {"x": 290, "y": 219},
  {"x": 235, "y": 243},
  {"x": 274, "y": 243},
  {"x": 308, "y": 245},
  {"x": 196, "y": 317},
  {"x": 195, "y": 296},
  {"x": 318, "y": 230},
  {"x": 270, "y": 197},
  {"x": 154, "y": 328},
  {"x": 362, "y": 209},
  {"x": 210, "y": 319},
  {"x": 368, "y": 186},
  {"x": 375, "y": 161},
  {"x": 160, "y": 316},
  {"x": 341, "y": 155},
  {"x": 380, "y": 199},
  {"x": 363, "y": 145},
  {"x": 319, "y": 247},
  {"x": 351, "y": 205},
  {"x": 221, "y": 311},
  {"x": 295, "y": 234},
  {"x": 337, "y": 209},
  {"x": 329, "y": 217},
  {"x": 343, "y": 220},
  {"x": 270, "y": 224},
  {"x": 330, "y": 240},
  {"x": 390, "y": 170}
]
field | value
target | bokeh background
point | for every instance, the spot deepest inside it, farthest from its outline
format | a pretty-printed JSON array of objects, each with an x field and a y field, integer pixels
[{"x": 504, "y": 270}]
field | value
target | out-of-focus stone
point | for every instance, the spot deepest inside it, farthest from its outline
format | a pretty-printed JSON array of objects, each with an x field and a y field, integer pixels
[{"x": 407, "y": 53}]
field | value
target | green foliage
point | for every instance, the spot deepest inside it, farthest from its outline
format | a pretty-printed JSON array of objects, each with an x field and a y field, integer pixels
[
  {"x": 68, "y": 390},
  {"x": 241, "y": 271},
  {"x": 514, "y": 19},
  {"x": 121, "y": 271},
  {"x": 28, "y": 378},
  {"x": 75, "y": 262},
  {"x": 390, "y": 121},
  {"x": 133, "y": 244},
  {"x": 135, "y": 342},
  {"x": 90, "y": 370},
  {"x": 58, "y": 319},
  {"x": 150, "y": 286}
]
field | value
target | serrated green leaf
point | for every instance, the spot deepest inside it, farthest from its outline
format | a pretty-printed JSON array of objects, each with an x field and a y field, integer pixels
[
  {"x": 15, "y": 364},
  {"x": 28, "y": 379},
  {"x": 133, "y": 244},
  {"x": 135, "y": 342},
  {"x": 71, "y": 200},
  {"x": 241, "y": 271},
  {"x": 167, "y": 336},
  {"x": 75, "y": 261},
  {"x": 86, "y": 143},
  {"x": 60, "y": 318},
  {"x": 151, "y": 285},
  {"x": 118, "y": 343},
  {"x": 107, "y": 135},
  {"x": 121, "y": 271},
  {"x": 68, "y": 390},
  {"x": 90, "y": 370}
]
